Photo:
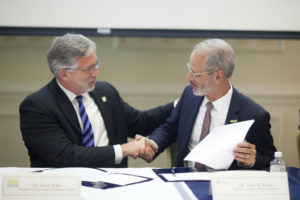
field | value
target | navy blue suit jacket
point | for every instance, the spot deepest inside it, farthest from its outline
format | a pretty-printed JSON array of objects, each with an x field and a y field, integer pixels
[
  {"x": 52, "y": 134},
  {"x": 179, "y": 126}
]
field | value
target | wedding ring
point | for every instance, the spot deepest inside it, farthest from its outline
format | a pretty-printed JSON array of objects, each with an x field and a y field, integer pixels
[{"x": 248, "y": 156}]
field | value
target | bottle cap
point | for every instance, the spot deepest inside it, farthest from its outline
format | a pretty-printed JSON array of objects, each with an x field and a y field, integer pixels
[{"x": 278, "y": 154}]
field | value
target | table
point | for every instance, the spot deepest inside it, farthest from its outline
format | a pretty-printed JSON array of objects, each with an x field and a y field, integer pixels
[{"x": 157, "y": 188}]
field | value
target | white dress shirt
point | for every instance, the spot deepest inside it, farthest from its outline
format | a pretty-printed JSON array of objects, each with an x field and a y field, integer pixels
[
  {"x": 218, "y": 117},
  {"x": 95, "y": 117}
]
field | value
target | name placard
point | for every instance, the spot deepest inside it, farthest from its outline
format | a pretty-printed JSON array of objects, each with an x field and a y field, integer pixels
[
  {"x": 246, "y": 185},
  {"x": 40, "y": 186}
]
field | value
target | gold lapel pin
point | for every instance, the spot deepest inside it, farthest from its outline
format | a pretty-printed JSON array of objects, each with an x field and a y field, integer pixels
[
  {"x": 233, "y": 121},
  {"x": 104, "y": 99}
]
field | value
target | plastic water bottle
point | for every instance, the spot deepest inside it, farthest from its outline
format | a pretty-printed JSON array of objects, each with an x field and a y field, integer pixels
[{"x": 277, "y": 164}]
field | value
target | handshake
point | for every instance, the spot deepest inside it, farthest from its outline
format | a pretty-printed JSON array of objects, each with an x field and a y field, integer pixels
[{"x": 141, "y": 147}]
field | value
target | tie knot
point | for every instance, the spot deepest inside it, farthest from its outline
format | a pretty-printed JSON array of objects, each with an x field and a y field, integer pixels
[
  {"x": 209, "y": 106},
  {"x": 79, "y": 98}
]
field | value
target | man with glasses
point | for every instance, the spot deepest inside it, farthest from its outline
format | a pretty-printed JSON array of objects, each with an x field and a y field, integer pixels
[
  {"x": 211, "y": 101},
  {"x": 75, "y": 121}
]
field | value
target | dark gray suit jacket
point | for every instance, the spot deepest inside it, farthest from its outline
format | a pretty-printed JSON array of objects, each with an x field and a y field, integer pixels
[
  {"x": 52, "y": 134},
  {"x": 179, "y": 126}
]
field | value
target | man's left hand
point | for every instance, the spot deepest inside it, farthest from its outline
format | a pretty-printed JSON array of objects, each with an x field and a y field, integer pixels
[{"x": 245, "y": 153}]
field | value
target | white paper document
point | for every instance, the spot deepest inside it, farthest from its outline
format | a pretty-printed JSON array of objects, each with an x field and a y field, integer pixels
[
  {"x": 151, "y": 190},
  {"x": 216, "y": 149},
  {"x": 249, "y": 185},
  {"x": 190, "y": 176},
  {"x": 95, "y": 175}
]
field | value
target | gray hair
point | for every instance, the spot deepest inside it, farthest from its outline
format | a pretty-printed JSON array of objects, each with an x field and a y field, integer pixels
[
  {"x": 220, "y": 55},
  {"x": 66, "y": 49}
]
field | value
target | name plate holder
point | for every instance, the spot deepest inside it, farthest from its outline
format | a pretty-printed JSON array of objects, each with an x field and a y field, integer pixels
[
  {"x": 35, "y": 186},
  {"x": 249, "y": 185}
]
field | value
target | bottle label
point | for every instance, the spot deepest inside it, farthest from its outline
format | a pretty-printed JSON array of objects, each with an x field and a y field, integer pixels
[{"x": 277, "y": 168}]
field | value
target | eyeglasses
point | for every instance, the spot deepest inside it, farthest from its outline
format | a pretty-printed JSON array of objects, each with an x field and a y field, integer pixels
[
  {"x": 197, "y": 74},
  {"x": 87, "y": 69}
]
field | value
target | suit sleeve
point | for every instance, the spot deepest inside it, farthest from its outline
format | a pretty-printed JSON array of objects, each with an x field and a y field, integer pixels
[
  {"x": 166, "y": 134},
  {"x": 144, "y": 122},
  {"x": 260, "y": 135}
]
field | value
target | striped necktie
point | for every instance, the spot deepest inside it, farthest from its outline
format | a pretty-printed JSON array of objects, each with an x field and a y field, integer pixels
[
  {"x": 205, "y": 130},
  {"x": 87, "y": 131}
]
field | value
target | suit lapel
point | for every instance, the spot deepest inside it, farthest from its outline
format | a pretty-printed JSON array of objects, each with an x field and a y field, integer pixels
[
  {"x": 65, "y": 105},
  {"x": 102, "y": 101},
  {"x": 190, "y": 117},
  {"x": 193, "y": 113},
  {"x": 234, "y": 108}
]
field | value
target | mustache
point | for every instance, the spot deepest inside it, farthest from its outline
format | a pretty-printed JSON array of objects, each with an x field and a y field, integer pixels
[{"x": 92, "y": 79}]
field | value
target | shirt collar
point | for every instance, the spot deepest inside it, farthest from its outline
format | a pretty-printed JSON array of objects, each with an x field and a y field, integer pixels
[
  {"x": 222, "y": 102},
  {"x": 71, "y": 95}
]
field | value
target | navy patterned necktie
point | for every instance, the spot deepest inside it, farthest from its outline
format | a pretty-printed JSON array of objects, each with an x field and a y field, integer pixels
[
  {"x": 205, "y": 130},
  {"x": 87, "y": 131}
]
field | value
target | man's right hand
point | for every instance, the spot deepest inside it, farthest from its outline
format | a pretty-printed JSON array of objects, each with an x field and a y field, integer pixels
[
  {"x": 150, "y": 150},
  {"x": 134, "y": 148}
]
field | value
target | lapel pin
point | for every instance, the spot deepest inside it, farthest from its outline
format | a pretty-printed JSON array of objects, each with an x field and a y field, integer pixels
[
  {"x": 104, "y": 99},
  {"x": 233, "y": 121}
]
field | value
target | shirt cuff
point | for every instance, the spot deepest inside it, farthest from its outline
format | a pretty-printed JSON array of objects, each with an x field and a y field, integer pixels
[{"x": 118, "y": 153}]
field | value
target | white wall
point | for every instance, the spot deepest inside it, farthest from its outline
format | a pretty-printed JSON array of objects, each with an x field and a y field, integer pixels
[{"x": 257, "y": 15}]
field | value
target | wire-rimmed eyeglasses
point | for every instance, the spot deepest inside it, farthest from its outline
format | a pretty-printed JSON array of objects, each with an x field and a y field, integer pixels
[
  {"x": 197, "y": 74},
  {"x": 87, "y": 69}
]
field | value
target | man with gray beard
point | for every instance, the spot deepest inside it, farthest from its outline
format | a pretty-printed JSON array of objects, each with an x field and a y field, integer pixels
[{"x": 210, "y": 67}]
